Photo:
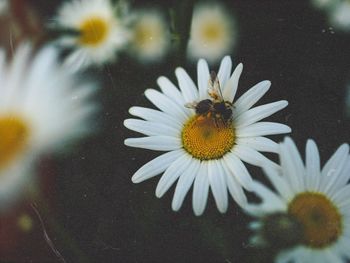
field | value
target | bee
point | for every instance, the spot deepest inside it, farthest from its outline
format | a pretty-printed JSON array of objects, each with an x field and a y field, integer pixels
[{"x": 216, "y": 107}]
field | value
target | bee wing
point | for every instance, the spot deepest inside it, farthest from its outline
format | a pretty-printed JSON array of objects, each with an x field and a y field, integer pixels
[
  {"x": 214, "y": 87},
  {"x": 191, "y": 105}
]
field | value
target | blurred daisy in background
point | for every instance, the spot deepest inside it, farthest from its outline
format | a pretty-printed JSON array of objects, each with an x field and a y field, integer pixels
[
  {"x": 150, "y": 39},
  {"x": 316, "y": 199},
  {"x": 100, "y": 32},
  {"x": 201, "y": 149},
  {"x": 323, "y": 4},
  {"x": 43, "y": 108},
  {"x": 3, "y": 7},
  {"x": 339, "y": 15},
  {"x": 213, "y": 33}
]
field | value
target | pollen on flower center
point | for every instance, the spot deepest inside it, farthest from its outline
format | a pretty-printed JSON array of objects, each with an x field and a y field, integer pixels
[
  {"x": 320, "y": 218},
  {"x": 14, "y": 134},
  {"x": 93, "y": 31},
  {"x": 207, "y": 139}
]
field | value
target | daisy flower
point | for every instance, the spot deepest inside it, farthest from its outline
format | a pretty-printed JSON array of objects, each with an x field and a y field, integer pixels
[
  {"x": 150, "y": 39},
  {"x": 213, "y": 33},
  {"x": 316, "y": 198},
  {"x": 42, "y": 108},
  {"x": 200, "y": 149},
  {"x": 339, "y": 15},
  {"x": 100, "y": 33}
]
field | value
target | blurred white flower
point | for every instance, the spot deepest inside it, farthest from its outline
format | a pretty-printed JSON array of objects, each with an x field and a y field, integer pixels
[
  {"x": 323, "y": 4},
  {"x": 3, "y": 6},
  {"x": 339, "y": 15},
  {"x": 317, "y": 198},
  {"x": 42, "y": 109},
  {"x": 100, "y": 32},
  {"x": 150, "y": 36},
  {"x": 213, "y": 33}
]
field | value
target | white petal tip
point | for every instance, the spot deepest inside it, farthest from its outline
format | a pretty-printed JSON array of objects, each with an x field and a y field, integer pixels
[
  {"x": 284, "y": 103},
  {"x": 126, "y": 123},
  {"x": 198, "y": 213},
  {"x": 222, "y": 210},
  {"x": 179, "y": 70},
  {"x": 132, "y": 110},
  {"x": 148, "y": 92},
  {"x": 161, "y": 79},
  {"x": 159, "y": 192},
  {"x": 266, "y": 84},
  {"x": 135, "y": 179},
  {"x": 127, "y": 142},
  {"x": 175, "y": 207}
]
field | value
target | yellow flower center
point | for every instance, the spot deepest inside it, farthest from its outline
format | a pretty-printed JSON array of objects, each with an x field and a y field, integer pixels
[
  {"x": 320, "y": 218},
  {"x": 212, "y": 32},
  {"x": 143, "y": 35},
  {"x": 14, "y": 134},
  {"x": 206, "y": 138},
  {"x": 93, "y": 31}
]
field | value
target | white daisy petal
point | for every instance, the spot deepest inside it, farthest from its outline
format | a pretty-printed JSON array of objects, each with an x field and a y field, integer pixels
[
  {"x": 150, "y": 128},
  {"x": 270, "y": 201},
  {"x": 313, "y": 170},
  {"x": 234, "y": 186},
  {"x": 230, "y": 88},
  {"x": 187, "y": 86},
  {"x": 333, "y": 168},
  {"x": 203, "y": 77},
  {"x": 342, "y": 196},
  {"x": 343, "y": 178},
  {"x": 292, "y": 176},
  {"x": 217, "y": 183},
  {"x": 184, "y": 184},
  {"x": 258, "y": 113},
  {"x": 249, "y": 98},
  {"x": 239, "y": 170},
  {"x": 259, "y": 143},
  {"x": 155, "y": 116},
  {"x": 224, "y": 70},
  {"x": 156, "y": 166},
  {"x": 157, "y": 143},
  {"x": 255, "y": 225},
  {"x": 170, "y": 90},
  {"x": 263, "y": 129},
  {"x": 165, "y": 104},
  {"x": 252, "y": 156},
  {"x": 200, "y": 190},
  {"x": 298, "y": 164},
  {"x": 278, "y": 182},
  {"x": 171, "y": 174}
]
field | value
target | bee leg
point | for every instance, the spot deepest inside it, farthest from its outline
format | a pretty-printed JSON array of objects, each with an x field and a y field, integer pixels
[{"x": 216, "y": 122}]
